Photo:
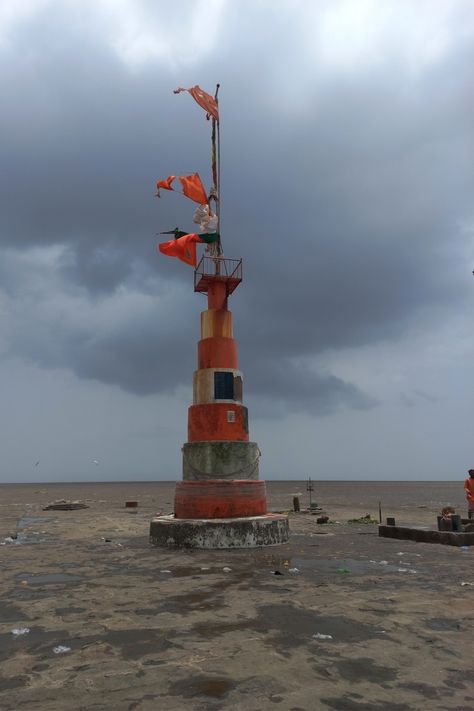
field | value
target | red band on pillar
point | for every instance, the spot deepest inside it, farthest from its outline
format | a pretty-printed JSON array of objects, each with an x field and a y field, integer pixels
[
  {"x": 217, "y": 353},
  {"x": 220, "y": 499},
  {"x": 218, "y": 421}
]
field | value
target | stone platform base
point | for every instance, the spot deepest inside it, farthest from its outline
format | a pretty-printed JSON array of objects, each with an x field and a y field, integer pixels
[
  {"x": 426, "y": 535},
  {"x": 248, "y": 532}
]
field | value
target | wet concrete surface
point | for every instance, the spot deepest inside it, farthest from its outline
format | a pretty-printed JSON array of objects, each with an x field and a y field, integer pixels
[{"x": 352, "y": 628}]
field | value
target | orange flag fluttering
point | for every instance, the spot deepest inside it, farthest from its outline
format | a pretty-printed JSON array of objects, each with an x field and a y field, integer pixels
[
  {"x": 193, "y": 188},
  {"x": 184, "y": 248},
  {"x": 191, "y": 184},
  {"x": 165, "y": 184},
  {"x": 205, "y": 101}
]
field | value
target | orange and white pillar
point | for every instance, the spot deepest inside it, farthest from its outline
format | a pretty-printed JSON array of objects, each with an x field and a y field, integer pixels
[{"x": 220, "y": 464}]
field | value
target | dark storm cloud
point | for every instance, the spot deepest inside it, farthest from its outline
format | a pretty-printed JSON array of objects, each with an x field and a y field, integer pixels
[{"x": 343, "y": 207}]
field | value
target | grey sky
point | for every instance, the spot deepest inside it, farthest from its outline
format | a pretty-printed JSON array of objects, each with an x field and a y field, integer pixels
[{"x": 347, "y": 189}]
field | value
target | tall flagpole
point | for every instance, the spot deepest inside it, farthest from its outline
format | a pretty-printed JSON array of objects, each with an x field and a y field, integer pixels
[{"x": 218, "y": 172}]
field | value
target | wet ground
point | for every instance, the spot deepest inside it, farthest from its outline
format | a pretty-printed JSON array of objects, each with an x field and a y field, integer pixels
[{"x": 92, "y": 617}]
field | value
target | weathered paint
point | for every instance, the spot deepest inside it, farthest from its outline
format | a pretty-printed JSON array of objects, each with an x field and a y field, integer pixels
[
  {"x": 203, "y": 385},
  {"x": 248, "y": 532},
  {"x": 217, "y": 352},
  {"x": 216, "y": 323},
  {"x": 424, "y": 535},
  {"x": 220, "y": 465},
  {"x": 209, "y": 422},
  {"x": 217, "y": 294},
  {"x": 217, "y": 498},
  {"x": 233, "y": 460}
]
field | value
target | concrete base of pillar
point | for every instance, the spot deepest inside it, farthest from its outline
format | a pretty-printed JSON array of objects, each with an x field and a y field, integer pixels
[{"x": 249, "y": 532}]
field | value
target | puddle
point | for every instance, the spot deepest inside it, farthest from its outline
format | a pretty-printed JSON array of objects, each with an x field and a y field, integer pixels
[
  {"x": 212, "y": 687},
  {"x": 357, "y": 670},
  {"x": 69, "y": 610},
  {"x": 11, "y": 613},
  {"x": 354, "y": 565},
  {"x": 31, "y": 520},
  {"x": 38, "y": 641},
  {"x": 48, "y": 578},
  {"x": 285, "y": 626},
  {"x": 13, "y": 682},
  {"x": 136, "y": 643},
  {"x": 443, "y": 624}
]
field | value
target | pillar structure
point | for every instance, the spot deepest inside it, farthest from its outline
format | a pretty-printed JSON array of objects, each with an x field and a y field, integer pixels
[{"x": 220, "y": 464}]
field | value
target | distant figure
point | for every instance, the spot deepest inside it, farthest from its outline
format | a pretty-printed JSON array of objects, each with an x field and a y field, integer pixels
[{"x": 469, "y": 489}]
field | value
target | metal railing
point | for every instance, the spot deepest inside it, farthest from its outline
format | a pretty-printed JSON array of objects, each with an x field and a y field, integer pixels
[
  {"x": 219, "y": 266},
  {"x": 212, "y": 269}
]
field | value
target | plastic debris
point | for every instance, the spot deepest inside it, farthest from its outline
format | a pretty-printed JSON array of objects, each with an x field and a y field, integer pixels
[
  {"x": 318, "y": 635},
  {"x": 61, "y": 649},
  {"x": 383, "y": 562},
  {"x": 464, "y": 548},
  {"x": 293, "y": 570},
  {"x": 205, "y": 567},
  {"x": 10, "y": 540},
  {"x": 363, "y": 519},
  {"x": 465, "y": 583},
  {"x": 343, "y": 570},
  {"x": 19, "y": 631},
  {"x": 165, "y": 571},
  {"x": 226, "y": 569}
]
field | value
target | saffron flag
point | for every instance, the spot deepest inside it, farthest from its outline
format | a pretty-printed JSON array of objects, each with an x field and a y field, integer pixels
[
  {"x": 193, "y": 188},
  {"x": 184, "y": 248},
  {"x": 205, "y": 101},
  {"x": 165, "y": 184}
]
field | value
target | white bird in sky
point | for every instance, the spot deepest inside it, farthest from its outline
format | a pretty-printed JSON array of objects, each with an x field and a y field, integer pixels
[{"x": 95, "y": 461}]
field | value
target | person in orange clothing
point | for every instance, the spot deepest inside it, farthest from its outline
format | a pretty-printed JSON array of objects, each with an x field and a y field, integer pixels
[{"x": 469, "y": 489}]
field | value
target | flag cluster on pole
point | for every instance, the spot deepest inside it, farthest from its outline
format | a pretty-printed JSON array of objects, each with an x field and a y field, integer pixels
[{"x": 183, "y": 246}]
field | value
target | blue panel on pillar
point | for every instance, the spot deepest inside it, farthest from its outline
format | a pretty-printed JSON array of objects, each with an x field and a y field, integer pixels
[{"x": 223, "y": 386}]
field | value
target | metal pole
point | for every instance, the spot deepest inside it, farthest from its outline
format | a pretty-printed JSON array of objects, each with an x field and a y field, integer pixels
[{"x": 218, "y": 186}]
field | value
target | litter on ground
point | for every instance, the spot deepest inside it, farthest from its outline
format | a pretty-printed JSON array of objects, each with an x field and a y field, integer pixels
[
  {"x": 19, "y": 631},
  {"x": 61, "y": 649},
  {"x": 318, "y": 635}
]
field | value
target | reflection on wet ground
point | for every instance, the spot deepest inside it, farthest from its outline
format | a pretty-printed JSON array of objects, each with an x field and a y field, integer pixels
[
  {"x": 334, "y": 618},
  {"x": 47, "y": 578},
  {"x": 32, "y": 520},
  {"x": 212, "y": 687}
]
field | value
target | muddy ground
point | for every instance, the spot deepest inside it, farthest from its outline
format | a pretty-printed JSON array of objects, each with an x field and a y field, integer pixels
[{"x": 353, "y": 621}]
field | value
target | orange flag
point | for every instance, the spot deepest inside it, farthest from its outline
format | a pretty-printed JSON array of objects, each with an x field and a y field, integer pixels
[
  {"x": 205, "y": 101},
  {"x": 184, "y": 248},
  {"x": 193, "y": 188},
  {"x": 165, "y": 184}
]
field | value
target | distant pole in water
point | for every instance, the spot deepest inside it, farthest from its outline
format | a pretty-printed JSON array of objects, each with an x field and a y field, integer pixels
[
  {"x": 380, "y": 512},
  {"x": 310, "y": 489}
]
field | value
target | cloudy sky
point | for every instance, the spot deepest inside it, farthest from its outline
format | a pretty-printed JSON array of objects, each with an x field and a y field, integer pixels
[{"x": 347, "y": 183}]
